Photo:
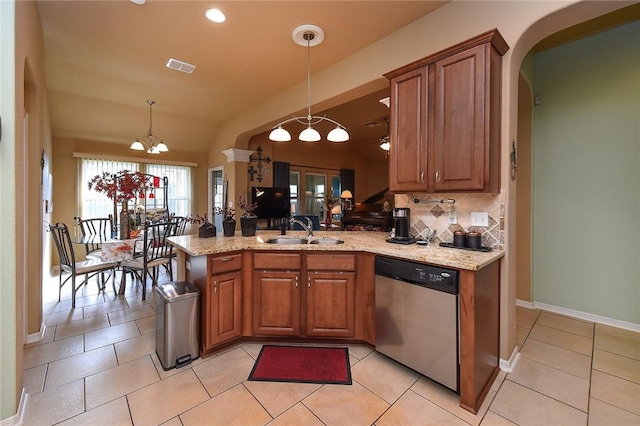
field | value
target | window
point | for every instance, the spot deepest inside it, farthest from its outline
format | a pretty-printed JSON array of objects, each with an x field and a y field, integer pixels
[
  {"x": 309, "y": 189},
  {"x": 179, "y": 187},
  {"x": 93, "y": 204},
  {"x": 294, "y": 188}
]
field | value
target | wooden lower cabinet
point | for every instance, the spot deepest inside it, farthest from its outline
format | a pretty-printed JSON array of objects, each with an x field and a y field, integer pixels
[
  {"x": 276, "y": 303},
  {"x": 310, "y": 295},
  {"x": 330, "y": 304},
  {"x": 219, "y": 279},
  {"x": 225, "y": 308}
]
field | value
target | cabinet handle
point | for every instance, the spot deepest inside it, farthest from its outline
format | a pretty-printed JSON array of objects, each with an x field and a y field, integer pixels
[
  {"x": 215, "y": 287},
  {"x": 296, "y": 281},
  {"x": 421, "y": 177},
  {"x": 438, "y": 176},
  {"x": 309, "y": 282},
  {"x": 225, "y": 259}
]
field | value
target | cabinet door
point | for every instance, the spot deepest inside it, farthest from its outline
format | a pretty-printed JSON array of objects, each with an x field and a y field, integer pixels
[
  {"x": 460, "y": 156},
  {"x": 330, "y": 304},
  {"x": 276, "y": 303},
  {"x": 408, "y": 132},
  {"x": 225, "y": 308}
]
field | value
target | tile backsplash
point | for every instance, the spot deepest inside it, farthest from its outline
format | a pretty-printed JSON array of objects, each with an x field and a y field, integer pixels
[{"x": 428, "y": 216}]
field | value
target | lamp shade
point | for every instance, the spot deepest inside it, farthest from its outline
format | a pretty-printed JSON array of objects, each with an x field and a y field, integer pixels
[
  {"x": 137, "y": 145},
  {"x": 279, "y": 135},
  {"x": 346, "y": 194},
  {"x": 309, "y": 135},
  {"x": 338, "y": 135},
  {"x": 161, "y": 147}
]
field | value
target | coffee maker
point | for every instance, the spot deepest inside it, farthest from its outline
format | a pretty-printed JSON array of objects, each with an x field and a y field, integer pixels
[{"x": 401, "y": 223}]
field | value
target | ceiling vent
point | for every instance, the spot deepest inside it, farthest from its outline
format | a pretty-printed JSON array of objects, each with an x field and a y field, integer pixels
[
  {"x": 372, "y": 124},
  {"x": 182, "y": 66}
]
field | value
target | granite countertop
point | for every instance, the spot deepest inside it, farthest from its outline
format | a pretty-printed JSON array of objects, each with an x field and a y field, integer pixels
[{"x": 371, "y": 242}]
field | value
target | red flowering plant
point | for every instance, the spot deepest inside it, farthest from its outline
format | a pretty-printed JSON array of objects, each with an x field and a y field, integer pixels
[
  {"x": 122, "y": 186},
  {"x": 248, "y": 207}
]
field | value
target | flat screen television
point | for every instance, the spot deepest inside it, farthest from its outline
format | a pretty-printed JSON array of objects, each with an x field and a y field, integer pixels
[{"x": 273, "y": 203}]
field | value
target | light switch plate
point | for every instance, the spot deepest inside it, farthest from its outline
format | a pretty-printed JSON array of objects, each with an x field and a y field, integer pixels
[{"x": 479, "y": 219}]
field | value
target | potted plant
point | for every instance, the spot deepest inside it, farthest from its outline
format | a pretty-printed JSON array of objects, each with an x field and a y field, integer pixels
[
  {"x": 121, "y": 187},
  {"x": 248, "y": 220},
  {"x": 228, "y": 222}
]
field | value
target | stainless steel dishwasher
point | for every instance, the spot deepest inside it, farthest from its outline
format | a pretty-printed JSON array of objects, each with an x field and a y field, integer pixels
[{"x": 417, "y": 317}]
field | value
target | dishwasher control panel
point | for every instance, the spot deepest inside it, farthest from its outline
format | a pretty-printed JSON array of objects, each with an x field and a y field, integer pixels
[{"x": 417, "y": 273}]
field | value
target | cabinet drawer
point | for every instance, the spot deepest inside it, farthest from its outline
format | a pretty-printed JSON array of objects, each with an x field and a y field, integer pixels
[
  {"x": 277, "y": 261},
  {"x": 227, "y": 263},
  {"x": 331, "y": 262}
]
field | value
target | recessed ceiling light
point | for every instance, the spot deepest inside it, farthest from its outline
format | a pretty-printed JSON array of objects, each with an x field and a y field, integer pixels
[
  {"x": 138, "y": 1},
  {"x": 215, "y": 15}
]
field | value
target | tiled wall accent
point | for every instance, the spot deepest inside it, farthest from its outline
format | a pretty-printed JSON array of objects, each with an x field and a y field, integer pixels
[{"x": 426, "y": 216}]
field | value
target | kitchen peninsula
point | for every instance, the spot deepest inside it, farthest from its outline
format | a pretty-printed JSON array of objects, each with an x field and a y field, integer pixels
[{"x": 253, "y": 290}]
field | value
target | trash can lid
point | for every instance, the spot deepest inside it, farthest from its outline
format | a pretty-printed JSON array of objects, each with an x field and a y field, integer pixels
[{"x": 173, "y": 291}]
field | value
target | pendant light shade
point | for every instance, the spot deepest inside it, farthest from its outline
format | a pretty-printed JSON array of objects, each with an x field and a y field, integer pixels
[
  {"x": 338, "y": 135},
  {"x": 308, "y": 35},
  {"x": 309, "y": 135},
  {"x": 279, "y": 135}
]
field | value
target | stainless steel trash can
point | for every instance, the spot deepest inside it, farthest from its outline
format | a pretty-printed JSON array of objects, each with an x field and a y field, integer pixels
[{"x": 177, "y": 324}]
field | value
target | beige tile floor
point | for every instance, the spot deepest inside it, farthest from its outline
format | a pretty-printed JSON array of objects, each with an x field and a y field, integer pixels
[{"x": 97, "y": 366}]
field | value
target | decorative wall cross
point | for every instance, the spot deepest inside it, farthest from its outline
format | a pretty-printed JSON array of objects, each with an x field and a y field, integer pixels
[{"x": 261, "y": 170}]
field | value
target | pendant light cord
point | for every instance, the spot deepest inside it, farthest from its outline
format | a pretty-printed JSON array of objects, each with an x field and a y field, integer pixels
[
  {"x": 308, "y": 36},
  {"x": 150, "y": 102}
]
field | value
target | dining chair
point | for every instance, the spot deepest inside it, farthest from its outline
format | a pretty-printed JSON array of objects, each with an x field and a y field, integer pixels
[
  {"x": 90, "y": 267},
  {"x": 179, "y": 224},
  {"x": 154, "y": 252},
  {"x": 99, "y": 228}
]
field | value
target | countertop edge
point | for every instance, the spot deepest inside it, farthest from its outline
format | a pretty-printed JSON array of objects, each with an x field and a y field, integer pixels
[{"x": 354, "y": 241}]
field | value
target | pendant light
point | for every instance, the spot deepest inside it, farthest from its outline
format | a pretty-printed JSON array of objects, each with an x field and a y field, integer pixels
[
  {"x": 308, "y": 35},
  {"x": 149, "y": 142}
]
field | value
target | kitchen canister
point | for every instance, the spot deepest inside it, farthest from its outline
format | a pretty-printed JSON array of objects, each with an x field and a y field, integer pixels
[
  {"x": 474, "y": 240},
  {"x": 459, "y": 239}
]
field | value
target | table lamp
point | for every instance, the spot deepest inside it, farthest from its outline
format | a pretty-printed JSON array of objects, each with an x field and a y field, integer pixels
[{"x": 347, "y": 196}]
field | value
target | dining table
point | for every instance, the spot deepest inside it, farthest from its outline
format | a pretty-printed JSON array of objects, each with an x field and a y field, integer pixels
[{"x": 113, "y": 250}]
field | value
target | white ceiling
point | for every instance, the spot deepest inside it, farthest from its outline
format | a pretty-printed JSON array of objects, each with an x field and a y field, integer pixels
[{"x": 104, "y": 59}]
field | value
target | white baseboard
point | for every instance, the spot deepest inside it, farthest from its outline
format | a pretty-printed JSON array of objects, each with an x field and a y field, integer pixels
[
  {"x": 510, "y": 364},
  {"x": 580, "y": 315},
  {"x": 18, "y": 418},
  {"x": 36, "y": 337}
]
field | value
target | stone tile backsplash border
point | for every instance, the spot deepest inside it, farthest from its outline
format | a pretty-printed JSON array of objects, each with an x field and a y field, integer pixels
[{"x": 427, "y": 216}]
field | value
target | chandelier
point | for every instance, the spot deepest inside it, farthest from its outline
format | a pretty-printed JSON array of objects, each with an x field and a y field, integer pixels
[
  {"x": 149, "y": 142},
  {"x": 308, "y": 35}
]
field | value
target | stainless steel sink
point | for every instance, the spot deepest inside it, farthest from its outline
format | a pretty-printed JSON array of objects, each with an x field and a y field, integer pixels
[
  {"x": 326, "y": 241},
  {"x": 287, "y": 241}
]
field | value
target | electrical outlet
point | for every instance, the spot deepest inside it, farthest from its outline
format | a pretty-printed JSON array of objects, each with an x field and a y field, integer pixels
[
  {"x": 479, "y": 219},
  {"x": 453, "y": 217}
]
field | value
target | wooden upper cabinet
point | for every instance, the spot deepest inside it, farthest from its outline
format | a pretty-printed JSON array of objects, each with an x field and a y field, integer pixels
[
  {"x": 408, "y": 131},
  {"x": 445, "y": 119},
  {"x": 459, "y": 142}
]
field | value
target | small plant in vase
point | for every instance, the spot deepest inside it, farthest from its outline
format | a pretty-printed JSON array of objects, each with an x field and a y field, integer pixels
[
  {"x": 248, "y": 220},
  {"x": 228, "y": 222},
  {"x": 206, "y": 229}
]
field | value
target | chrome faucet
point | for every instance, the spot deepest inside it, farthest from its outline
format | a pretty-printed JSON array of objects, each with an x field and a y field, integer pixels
[{"x": 307, "y": 227}]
